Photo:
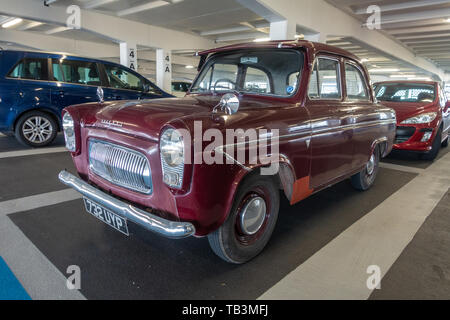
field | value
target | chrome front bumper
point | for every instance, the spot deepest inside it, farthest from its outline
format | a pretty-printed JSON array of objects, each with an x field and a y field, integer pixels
[{"x": 166, "y": 228}]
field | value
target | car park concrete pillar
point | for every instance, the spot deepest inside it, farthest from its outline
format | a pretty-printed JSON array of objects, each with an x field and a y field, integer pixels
[
  {"x": 164, "y": 69},
  {"x": 128, "y": 55},
  {"x": 282, "y": 30}
]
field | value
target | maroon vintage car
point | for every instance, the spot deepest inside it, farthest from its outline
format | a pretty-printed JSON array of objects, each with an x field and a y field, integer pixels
[
  {"x": 189, "y": 166},
  {"x": 423, "y": 115}
]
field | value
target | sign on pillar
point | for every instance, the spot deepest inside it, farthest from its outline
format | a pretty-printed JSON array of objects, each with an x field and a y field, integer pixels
[
  {"x": 128, "y": 55},
  {"x": 164, "y": 69}
]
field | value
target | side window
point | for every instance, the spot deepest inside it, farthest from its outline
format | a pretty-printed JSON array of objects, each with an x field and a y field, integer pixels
[
  {"x": 325, "y": 80},
  {"x": 80, "y": 72},
  {"x": 30, "y": 69},
  {"x": 57, "y": 74},
  {"x": 356, "y": 85},
  {"x": 120, "y": 78},
  {"x": 257, "y": 81}
]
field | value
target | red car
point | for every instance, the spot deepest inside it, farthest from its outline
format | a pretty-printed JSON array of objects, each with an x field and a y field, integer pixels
[
  {"x": 189, "y": 166},
  {"x": 423, "y": 115}
]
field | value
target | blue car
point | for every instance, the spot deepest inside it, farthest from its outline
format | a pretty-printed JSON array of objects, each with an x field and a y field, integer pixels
[{"x": 36, "y": 86}]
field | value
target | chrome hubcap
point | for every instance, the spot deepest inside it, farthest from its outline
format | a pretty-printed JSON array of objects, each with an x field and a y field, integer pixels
[
  {"x": 37, "y": 129},
  {"x": 253, "y": 215},
  {"x": 371, "y": 165}
]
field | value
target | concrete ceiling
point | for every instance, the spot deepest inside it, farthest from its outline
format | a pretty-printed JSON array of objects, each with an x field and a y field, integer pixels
[{"x": 419, "y": 25}]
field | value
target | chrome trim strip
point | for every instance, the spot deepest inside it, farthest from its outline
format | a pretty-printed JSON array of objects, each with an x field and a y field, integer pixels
[{"x": 166, "y": 228}]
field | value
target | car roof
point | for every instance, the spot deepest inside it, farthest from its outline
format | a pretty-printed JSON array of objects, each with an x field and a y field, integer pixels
[
  {"x": 316, "y": 47},
  {"x": 69, "y": 55}
]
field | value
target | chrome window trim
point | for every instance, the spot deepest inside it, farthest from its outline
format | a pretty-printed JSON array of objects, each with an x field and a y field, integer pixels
[
  {"x": 316, "y": 60},
  {"x": 367, "y": 87}
]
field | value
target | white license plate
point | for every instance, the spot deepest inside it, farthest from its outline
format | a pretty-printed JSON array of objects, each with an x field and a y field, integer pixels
[{"x": 108, "y": 217}]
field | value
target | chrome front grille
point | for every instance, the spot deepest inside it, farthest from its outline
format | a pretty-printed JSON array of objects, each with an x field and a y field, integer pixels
[{"x": 121, "y": 166}]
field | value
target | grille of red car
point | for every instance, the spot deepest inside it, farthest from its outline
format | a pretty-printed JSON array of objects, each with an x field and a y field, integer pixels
[
  {"x": 404, "y": 134},
  {"x": 121, "y": 166}
]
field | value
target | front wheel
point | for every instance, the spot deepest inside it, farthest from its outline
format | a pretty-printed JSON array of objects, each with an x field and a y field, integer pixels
[
  {"x": 36, "y": 129},
  {"x": 366, "y": 178},
  {"x": 251, "y": 221}
]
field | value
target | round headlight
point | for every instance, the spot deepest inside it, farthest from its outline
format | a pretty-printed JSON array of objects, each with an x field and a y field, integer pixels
[
  {"x": 172, "y": 147},
  {"x": 69, "y": 131}
]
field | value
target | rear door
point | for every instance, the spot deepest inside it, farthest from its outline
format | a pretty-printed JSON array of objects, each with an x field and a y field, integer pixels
[
  {"x": 365, "y": 114},
  {"x": 33, "y": 90},
  {"x": 75, "y": 81},
  {"x": 332, "y": 131}
]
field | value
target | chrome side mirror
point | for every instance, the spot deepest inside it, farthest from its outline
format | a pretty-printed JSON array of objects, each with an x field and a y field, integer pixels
[{"x": 229, "y": 104}]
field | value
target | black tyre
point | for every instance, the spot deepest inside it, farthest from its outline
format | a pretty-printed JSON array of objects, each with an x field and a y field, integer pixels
[
  {"x": 445, "y": 143},
  {"x": 251, "y": 221},
  {"x": 432, "y": 154},
  {"x": 366, "y": 178},
  {"x": 36, "y": 129}
]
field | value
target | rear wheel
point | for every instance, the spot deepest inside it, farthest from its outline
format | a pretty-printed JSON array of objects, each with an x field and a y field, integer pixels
[
  {"x": 36, "y": 129},
  {"x": 432, "y": 154},
  {"x": 366, "y": 178},
  {"x": 445, "y": 143},
  {"x": 251, "y": 221}
]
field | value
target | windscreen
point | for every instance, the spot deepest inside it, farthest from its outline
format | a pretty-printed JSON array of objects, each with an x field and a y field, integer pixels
[
  {"x": 262, "y": 71},
  {"x": 405, "y": 92}
]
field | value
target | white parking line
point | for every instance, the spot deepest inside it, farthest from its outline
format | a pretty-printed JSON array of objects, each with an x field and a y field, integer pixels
[
  {"x": 40, "y": 278},
  {"x": 37, "y": 201},
  {"x": 32, "y": 152},
  {"x": 339, "y": 270}
]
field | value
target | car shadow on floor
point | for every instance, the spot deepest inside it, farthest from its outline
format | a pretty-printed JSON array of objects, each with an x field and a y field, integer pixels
[
  {"x": 412, "y": 159},
  {"x": 9, "y": 143}
]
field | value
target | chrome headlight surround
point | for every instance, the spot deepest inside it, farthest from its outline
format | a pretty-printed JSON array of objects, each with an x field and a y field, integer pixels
[
  {"x": 69, "y": 132},
  {"x": 171, "y": 147},
  {"x": 421, "y": 118}
]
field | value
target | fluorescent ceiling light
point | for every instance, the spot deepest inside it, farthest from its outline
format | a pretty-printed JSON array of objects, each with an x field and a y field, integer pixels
[
  {"x": 329, "y": 77},
  {"x": 189, "y": 67},
  {"x": 402, "y": 75},
  {"x": 364, "y": 60},
  {"x": 12, "y": 23},
  {"x": 448, "y": 20},
  {"x": 261, "y": 40},
  {"x": 143, "y": 7},
  {"x": 383, "y": 70},
  {"x": 420, "y": 78}
]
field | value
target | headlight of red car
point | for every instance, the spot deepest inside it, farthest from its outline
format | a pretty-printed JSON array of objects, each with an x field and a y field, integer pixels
[
  {"x": 172, "y": 157},
  {"x": 69, "y": 132},
  {"x": 421, "y": 118}
]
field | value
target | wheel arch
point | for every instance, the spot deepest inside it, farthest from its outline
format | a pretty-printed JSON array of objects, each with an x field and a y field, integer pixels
[{"x": 43, "y": 110}]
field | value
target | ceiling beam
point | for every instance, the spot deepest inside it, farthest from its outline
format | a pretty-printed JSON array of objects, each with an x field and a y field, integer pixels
[
  {"x": 415, "y": 16},
  {"x": 225, "y": 30},
  {"x": 397, "y": 32},
  {"x": 405, "y": 5}
]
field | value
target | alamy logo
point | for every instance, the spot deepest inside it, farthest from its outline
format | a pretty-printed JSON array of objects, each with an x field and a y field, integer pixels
[
  {"x": 374, "y": 280},
  {"x": 73, "y": 282},
  {"x": 374, "y": 20},
  {"x": 74, "y": 19}
]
